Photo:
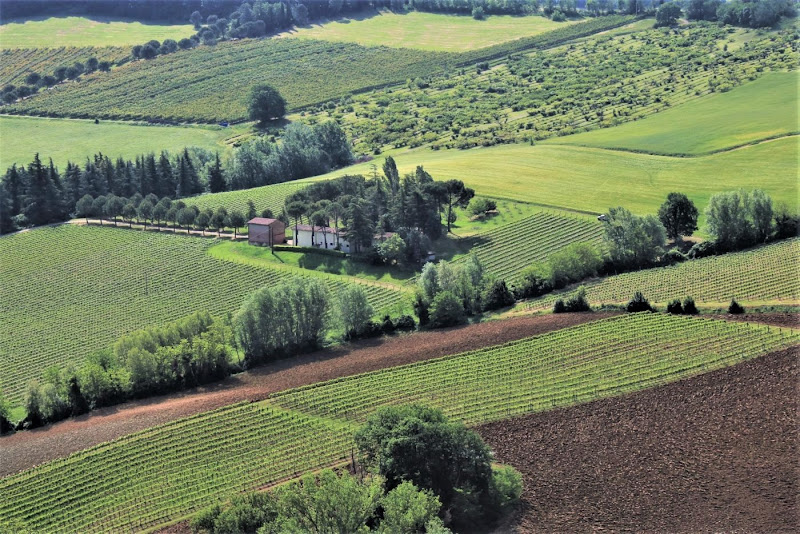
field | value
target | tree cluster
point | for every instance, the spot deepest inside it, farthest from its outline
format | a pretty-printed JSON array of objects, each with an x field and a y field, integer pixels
[
  {"x": 573, "y": 263},
  {"x": 752, "y": 13},
  {"x": 153, "y": 48},
  {"x": 739, "y": 219},
  {"x": 183, "y": 354},
  {"x": 35, "y": 81}
]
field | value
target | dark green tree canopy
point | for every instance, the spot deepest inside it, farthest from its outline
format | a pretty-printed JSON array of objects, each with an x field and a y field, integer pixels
[
  {"x": 678, "y": 215},
  {"x": 266, "y": 104}
]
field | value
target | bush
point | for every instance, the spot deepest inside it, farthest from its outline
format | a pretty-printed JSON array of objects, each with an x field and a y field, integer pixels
[
  {"x": 247, "y": 513},
  {"x": 535, "y": 281},
  {"x": 577, "y": 302},
  {"x": 702, "y": 250},
  {"x": 203, "y": 521},
  {"x": 689, "y": 307},
  {"x": 479, "y": 206},
  {"x": 559, "y": 306},
  {"x": 735, "y": 308},
  {"x": 446, "y": 310},
  {"x": 674, "y": 256},
  {"x": 506, "y": 487},
  {"x": 498, "y": 296},
  {"x": 675, "y": 307},
  {"x": 387, "y": 325},
  {"x": 405, "y": 322},
  {"x": 638, "y": 304}
]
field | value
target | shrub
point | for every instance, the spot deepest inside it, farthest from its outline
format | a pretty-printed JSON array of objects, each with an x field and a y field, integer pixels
[
  {"x": 405, "y": 322},
  {"x": 675, "y": 307},
  {"x": 446, "y": 310},
  {"x": 674, "y": 256},
  {"x": 247, "y": 513},
  {"x": 577, "y": 302},
  {"x": 203, "y": 521},
  {"x": 702, "y": 250},
  {"x": 638, "y": 304},
  {"x": 498, "y": 296},
  {"x": 689, "y": 307},
  {"x": 735, "y": 308},
  {"x": 479, "y": 206},
  {"x": 506, "y": 487},
  {"x": 535, "y": 281},
  {"x": 387, "y": 325},
  {"x": 559, "y": 306}
]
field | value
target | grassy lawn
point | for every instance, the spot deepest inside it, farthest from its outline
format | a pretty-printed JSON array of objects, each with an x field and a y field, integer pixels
[
  {"x": 593, "y": 179},
  {"x": 75, "y": 139},
  {"x": 428, "y": 31},
  {"x": 764, "y": 108},
  {"x": 56, "y": 32}
]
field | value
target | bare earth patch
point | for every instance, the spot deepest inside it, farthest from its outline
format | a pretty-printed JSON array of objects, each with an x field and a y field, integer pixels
[
  {"x": 714, "y": 453},
  {"x": 26, "y": 449}
]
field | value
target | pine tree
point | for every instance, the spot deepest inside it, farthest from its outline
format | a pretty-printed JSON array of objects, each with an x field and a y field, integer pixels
[{"x": 216, "y": 179}]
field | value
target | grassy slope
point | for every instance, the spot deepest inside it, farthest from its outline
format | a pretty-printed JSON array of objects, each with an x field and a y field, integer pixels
[
  {"x": 760, "y": 109},
  {"x": 594, "y": 179},
  {"x": 80, "y": 31},
  {"x": 75, "y": 139},
  {"x": 69, "y": 290},
  {"x": 428, "y": 31}
]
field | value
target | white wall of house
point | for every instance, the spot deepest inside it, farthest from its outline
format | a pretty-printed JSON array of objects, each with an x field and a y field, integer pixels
[{"x": 304, "y": 240}]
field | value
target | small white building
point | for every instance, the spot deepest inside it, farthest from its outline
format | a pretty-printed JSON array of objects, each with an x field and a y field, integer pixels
[{"x": 325, "y": 237}]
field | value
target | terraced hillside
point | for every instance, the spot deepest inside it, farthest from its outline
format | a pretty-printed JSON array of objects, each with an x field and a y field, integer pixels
[
  {"x": 160, "y": 475},
  {"x": 765, "y": 275},
  {"x": 506, "y": 251},
  {"x": 598, "y": 82},
  {"x": 69, "y": 290}
]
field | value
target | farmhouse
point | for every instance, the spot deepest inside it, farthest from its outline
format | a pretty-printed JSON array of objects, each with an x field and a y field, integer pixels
[
  {"x": 261, "y": 231},
  {"x": 325, "y": 237}
]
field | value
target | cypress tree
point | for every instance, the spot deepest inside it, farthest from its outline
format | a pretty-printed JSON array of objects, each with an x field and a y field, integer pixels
[{"x": 216, "y": 179}]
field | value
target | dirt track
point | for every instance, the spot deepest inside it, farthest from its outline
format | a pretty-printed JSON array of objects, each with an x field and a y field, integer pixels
[
  {"x": 25, "y": 449},
  {"x": 718, "y": 452}
]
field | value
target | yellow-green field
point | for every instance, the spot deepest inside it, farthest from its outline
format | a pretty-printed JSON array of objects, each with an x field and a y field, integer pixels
[
  {"x": 75, "y": 140},
  {"x": 594, "y": 179},
  {"x": 55, "y": 32},
  {"x": 428, "y": 31},
  {"x": 766, "y": 107}
]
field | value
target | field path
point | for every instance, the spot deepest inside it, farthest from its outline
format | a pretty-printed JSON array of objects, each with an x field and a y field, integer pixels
[
  {"x": 24, "y": 450},
  {"x": 717, "y": 452}
]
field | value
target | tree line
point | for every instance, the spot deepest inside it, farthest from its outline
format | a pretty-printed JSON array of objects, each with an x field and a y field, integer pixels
[
  {"x": 40, "y": 194},
  {"x": 35, "y": 81},
  {"x": 747, "y": 13}
]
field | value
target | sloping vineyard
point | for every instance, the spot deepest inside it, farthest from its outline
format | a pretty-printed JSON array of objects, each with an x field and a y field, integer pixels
[
  {"x": 268, "y": 196},
  {"x": 506, "y": 251},
  {"x": 68, "y": 291},
  {"x": 765, "y": 275},
  {"x": 16, "y": 63},
  {"x": 163, "y": 474},
  {"x": 147, "y": 478},
  {"x": 599, "y": 82},
  {"x": 211, "y": 83}
]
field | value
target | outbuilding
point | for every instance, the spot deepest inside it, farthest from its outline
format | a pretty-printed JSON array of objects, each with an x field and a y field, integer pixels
[{"x": 263, "y": 231}]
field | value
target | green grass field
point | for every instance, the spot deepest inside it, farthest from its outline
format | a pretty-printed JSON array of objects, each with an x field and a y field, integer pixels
[
  {"x": 70, "y": 290},
  {"x": 766, "y": 107},
  {"x": 594, "y": 179},
  {"x": 76, "y": 139},
  {"x": 427, "y": 31},
  {"x": 763, "y": 276},
  {"x": 161, "y": 475},
  {"x": 55, "y": 32}
]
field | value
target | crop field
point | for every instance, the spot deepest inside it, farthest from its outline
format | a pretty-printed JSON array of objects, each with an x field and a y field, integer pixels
[
  {"x": 15, "y": 64},
  {"x": 162, "y": 474},
  {"x": 55, "y": 32},
  {"x": 507, "y": 250},
  {"x": 211, "y": 84},
  {"x": 427, "y": 31},
  {"x": 268, "y": 196},
  {"x": 601, "y": 82},
  {"x": 765, "y": 275},
  {"x": 68, "y": 291},
  {"x": 593, "y": 179},
  {"x": 757, "y": 110},
  {"x": 76, "y": 139}
]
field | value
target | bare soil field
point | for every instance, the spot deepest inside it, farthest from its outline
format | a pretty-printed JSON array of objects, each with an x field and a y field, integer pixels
[
  {"x": 26, "y": 449},
  {"x": 780, "y": 319},
  {"x": 714, "y": 453}
]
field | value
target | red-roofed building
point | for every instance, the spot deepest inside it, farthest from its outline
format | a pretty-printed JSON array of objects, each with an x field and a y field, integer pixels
[{"x": 262, "y": 231}]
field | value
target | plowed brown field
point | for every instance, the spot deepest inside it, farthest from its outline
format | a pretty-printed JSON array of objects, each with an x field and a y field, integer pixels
[
  {"x": 25, "y": 449},
  {"x": 714, "y": 453}
]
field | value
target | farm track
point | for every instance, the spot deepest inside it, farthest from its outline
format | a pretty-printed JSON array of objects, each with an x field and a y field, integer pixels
[
  {"x": 717, "y": 452},
  {"x": 26, "y": 449}
]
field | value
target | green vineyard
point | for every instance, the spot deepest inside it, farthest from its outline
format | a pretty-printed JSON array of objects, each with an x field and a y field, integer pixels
[
  {"x": 506, "y": 251},
  {"x": 16, "y": 63},
  {"x": 766, "y": 275},
  {"x": 68, "y": 291},
  {"x": 160, "y": 475},
  {"x": 268, "y": 196}
]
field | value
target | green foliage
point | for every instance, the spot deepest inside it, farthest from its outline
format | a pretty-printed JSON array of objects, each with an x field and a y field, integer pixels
[
  {"x": 446, "y": 310},
  {"x": 408, "y": 509},
  {"x": 638, "y": 304},
  {"x": 668, "y": 14},
  {"x": 246, "y": 514},
  {"x": 203, "y": 521},
  {"x": 577, "y": 302},
  {"x": 19, "y": 61},
  {"x": 678, "y": 214},
  {"x": 689, "y": 307},
  {"x": 738, "y": 219},
  {"x": 506, "y": 487},
  {"x": 735, "y": 308},
  {"x": 633, "y": 241},
  {"x": 265, "y": 104},
  {"x": 353, "y": 310},
  {"x": 498, "y": 296},
  {"x": 119, "y": 485},
  {"x": 392, "y": 250},
  {"x": 480, "y": 206},
  {"x": 675, "y": 307},
  {"x": 573, "y": 263}
]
